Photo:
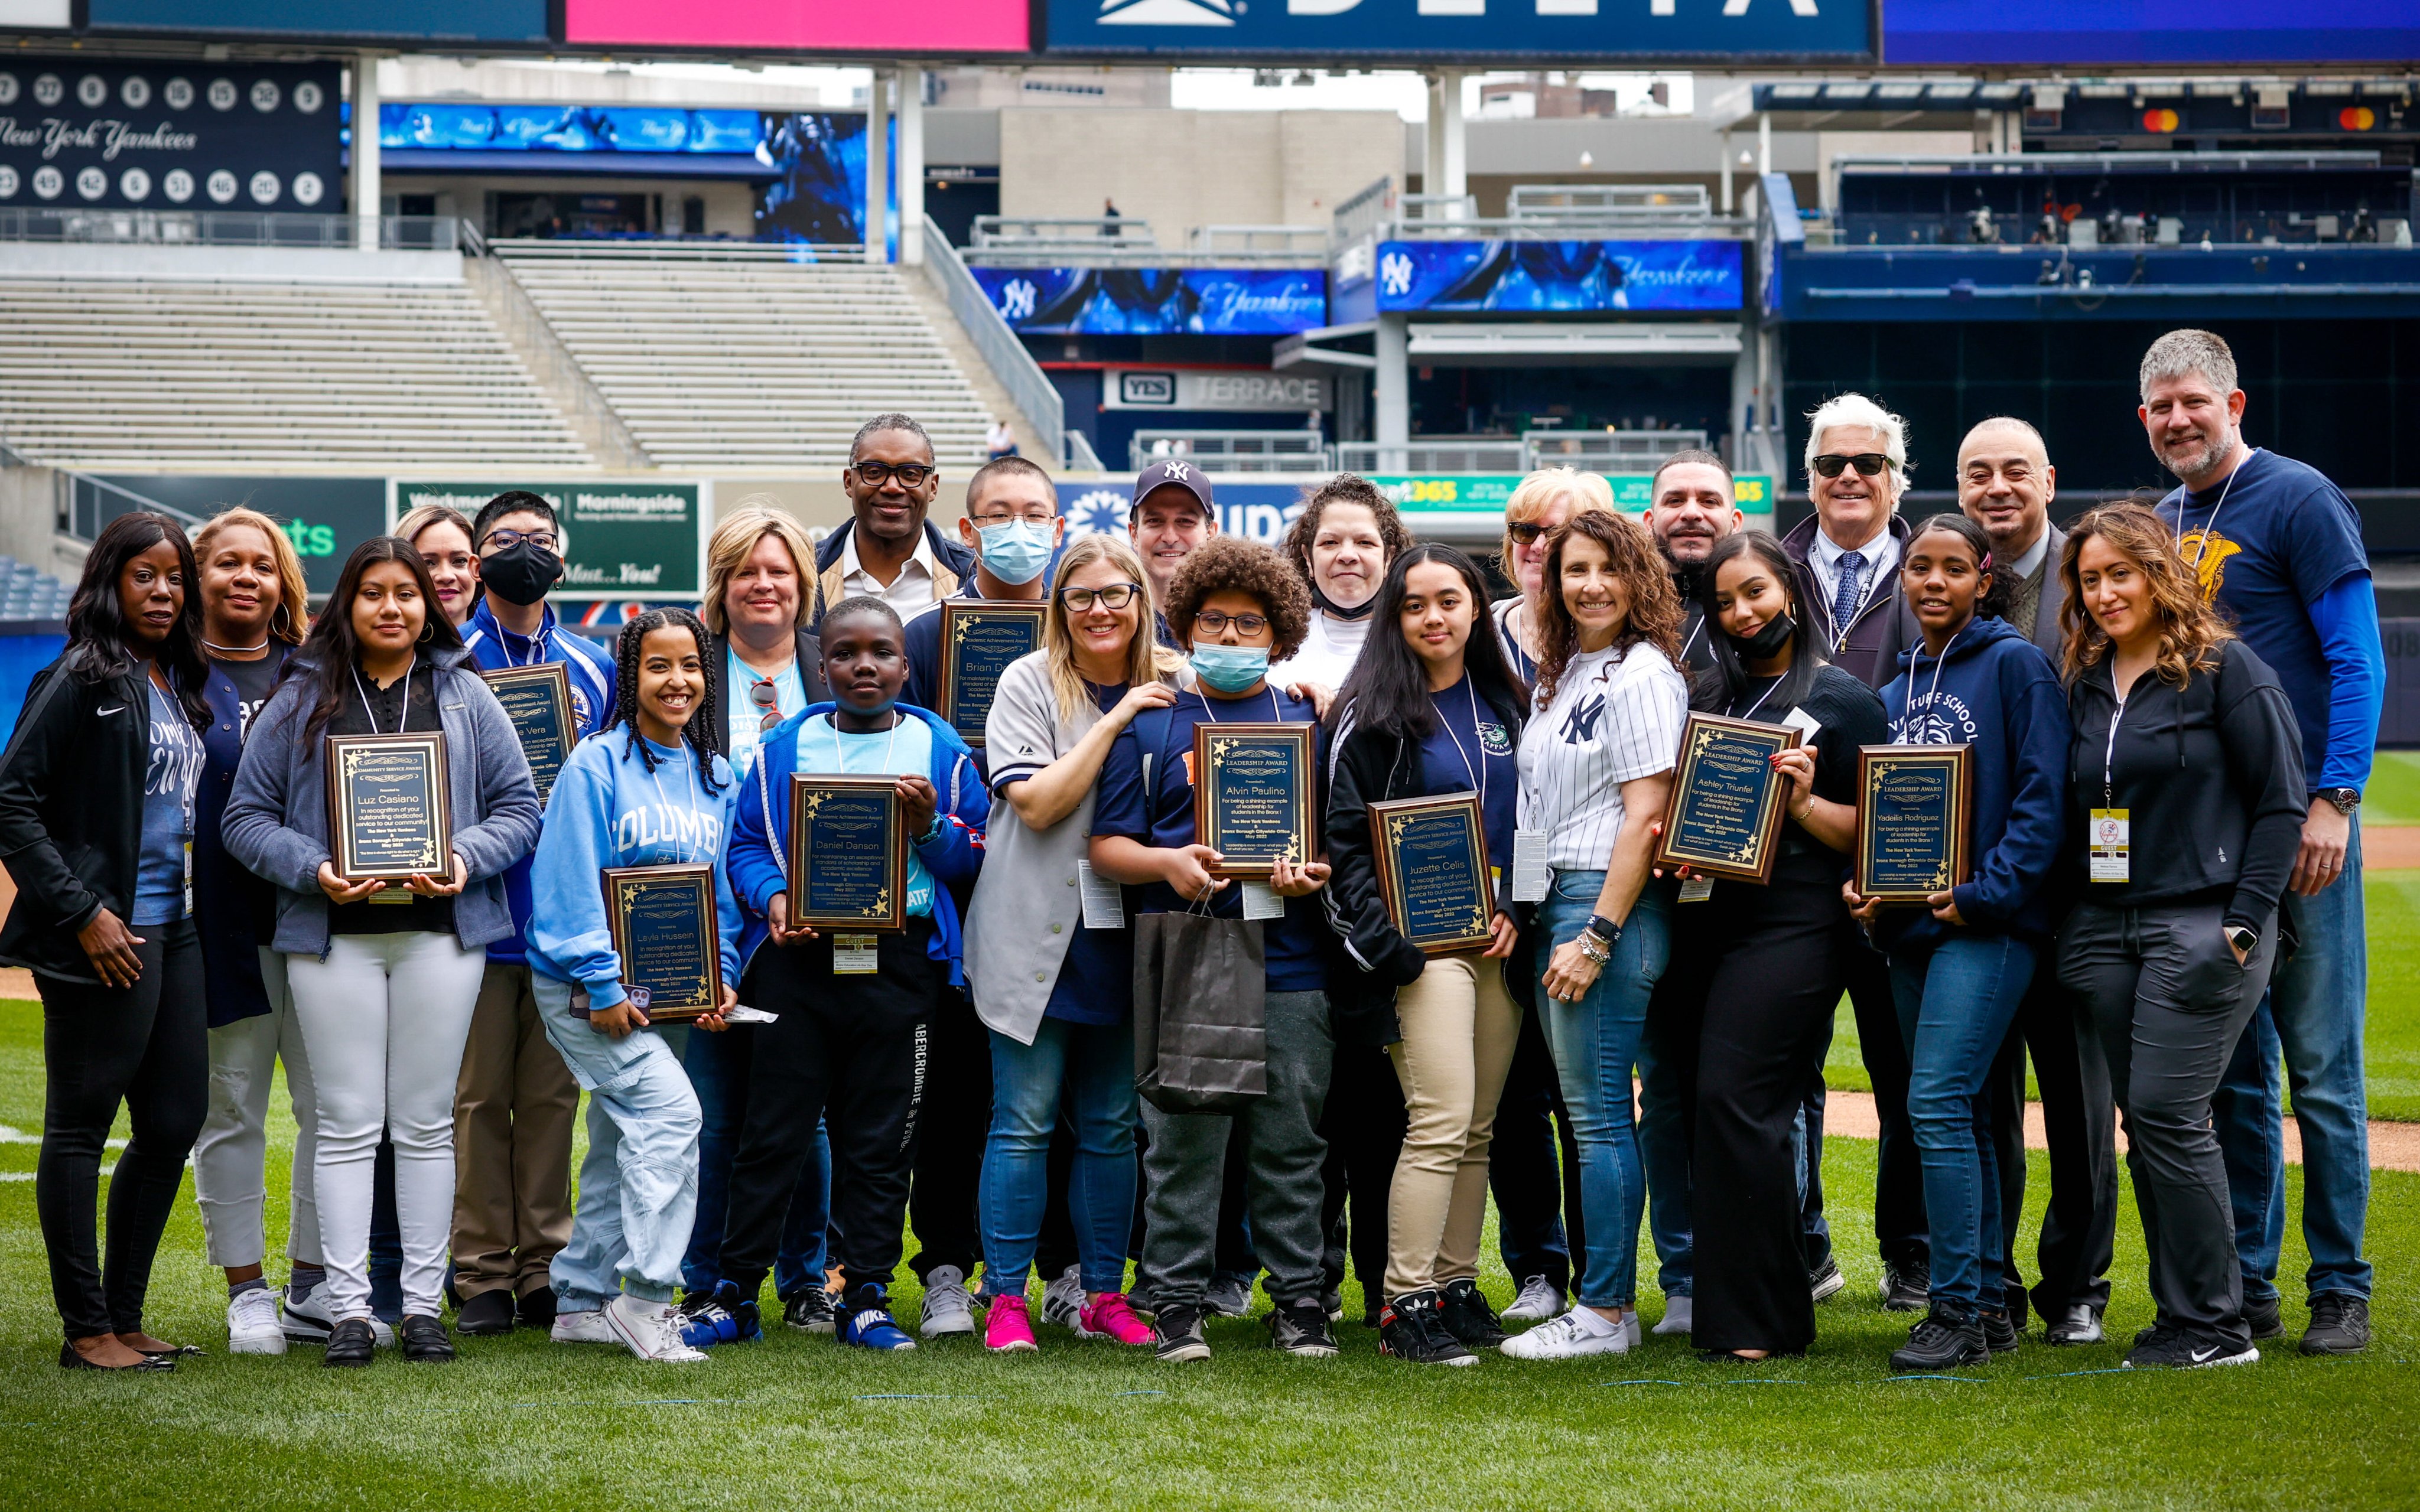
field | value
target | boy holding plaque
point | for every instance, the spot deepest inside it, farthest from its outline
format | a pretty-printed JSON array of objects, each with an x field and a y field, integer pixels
[
  {"x": 855, "y": 1006},
  {"x": 650, "y": 791}
]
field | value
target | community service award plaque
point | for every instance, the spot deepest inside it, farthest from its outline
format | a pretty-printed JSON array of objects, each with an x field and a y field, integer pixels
[
  {"x": 537, "y": 699},
  {"x": 849, "y": 854},
  {"x": 1725, "y": 811},
  {"x": 1916, "y": 814},
  {"x": 1432, "y": 856},
  {"x": 979, "y": 639},
  {"x": 389, "y": 811},
  {"x": 663, "y": 924},
  {"x": 1251, "y": 794}
]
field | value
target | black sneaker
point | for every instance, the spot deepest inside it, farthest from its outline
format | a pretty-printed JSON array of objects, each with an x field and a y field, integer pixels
[
  {"x": 1300, "y": 1328},
  {"x": 489, "y": 1312},
  {"x": 1907, "y": 1290},
  {"x": 1462, "y": 1310},
  {"x": 2339, "y": 1324},
  {"x": 1332, "y": 1301},
  {"x": 1947, "y": 1337},
  {"x": 1176, "y": 1335},
  {"x": 2161, "y": 1347},
  {"x": 2261, "y": 1314},
  {"x": 1826, "y": 1281},
  {"x": 538, "y": 1309},
  {"x": 424, "y": 1337},
  {"x": 352, "y": 1343},
  {"x": 2079, "y": 1324},
  {"x": 1409, "y": 1328},
  {"x": 1999, "y": 1332},
  {"x": 809, "y": 1311}
]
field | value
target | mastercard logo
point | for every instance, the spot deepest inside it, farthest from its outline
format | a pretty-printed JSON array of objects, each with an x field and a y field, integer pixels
[
  {"x": 2165, "y": 120},
  {"x": 2356, "y": 117}
]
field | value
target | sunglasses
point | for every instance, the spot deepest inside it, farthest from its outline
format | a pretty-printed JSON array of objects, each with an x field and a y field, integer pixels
[
  {"x": 1868, "y": 463},
  {"x": 765, "y": 698},
  {"x": 911, "y": 475},
  {"x": 1524, "y": 531}
]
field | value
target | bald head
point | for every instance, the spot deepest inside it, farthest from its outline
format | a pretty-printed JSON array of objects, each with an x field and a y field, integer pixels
[{"x": 2006, "y": 483}]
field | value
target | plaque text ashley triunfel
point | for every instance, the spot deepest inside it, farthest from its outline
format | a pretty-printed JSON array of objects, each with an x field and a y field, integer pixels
[{"x": 1725, "y": 813}]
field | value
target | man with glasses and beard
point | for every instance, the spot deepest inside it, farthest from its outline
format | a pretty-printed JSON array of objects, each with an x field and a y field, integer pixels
[{"x": 888, "y": 549}]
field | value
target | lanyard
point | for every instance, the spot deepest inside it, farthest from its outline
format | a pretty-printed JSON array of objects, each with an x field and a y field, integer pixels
[
  {"x": 404, "y": 704},
  {"x": 1762, "y": 697},
  {"x": 840, "y": 762},
  {"x": 1478, "y": 773},
  {"x": 1276, "y": 715},
  {"x": 2109, "y": 751},
  {"x": 2222, "y": 502},
  {"x": 1906, "y": 699},
  {"x": 663, "y": 805}
]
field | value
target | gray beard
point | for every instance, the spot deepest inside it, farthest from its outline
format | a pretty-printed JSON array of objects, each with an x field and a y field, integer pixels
[{"x": 2201, "y": 462}]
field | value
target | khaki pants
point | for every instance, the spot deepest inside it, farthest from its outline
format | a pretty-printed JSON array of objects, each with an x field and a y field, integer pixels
[
  {"x": 513, "y": 1112},
  {"x": 1460, "y": 1027}
]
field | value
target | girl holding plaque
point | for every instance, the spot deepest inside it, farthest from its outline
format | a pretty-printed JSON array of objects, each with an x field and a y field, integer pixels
[
  {"x": 1960, "y": 962},
  {"x": 384, "y": 974},
  {"x": 1431, "y": 709},
  {"x": 648, "y": 789},
  {"x": 1756, "y": 970},
  {"x": 1596, "y": 768}
]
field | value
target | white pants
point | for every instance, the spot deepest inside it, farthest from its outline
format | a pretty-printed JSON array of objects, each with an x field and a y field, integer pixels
[
  {"x": 385, "y": 1017},
  {"x": 231, "y": 1157}
]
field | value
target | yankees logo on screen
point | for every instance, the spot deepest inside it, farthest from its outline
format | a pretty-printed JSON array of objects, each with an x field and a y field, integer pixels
[{"x": 85, "y": 134}]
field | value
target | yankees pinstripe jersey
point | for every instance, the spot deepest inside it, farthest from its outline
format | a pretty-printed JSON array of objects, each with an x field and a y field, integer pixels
[{"x": 1616, "y": 716}]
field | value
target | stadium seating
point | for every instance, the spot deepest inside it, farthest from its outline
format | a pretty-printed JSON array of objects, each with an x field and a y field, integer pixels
[{"x": 29, "y": 593}]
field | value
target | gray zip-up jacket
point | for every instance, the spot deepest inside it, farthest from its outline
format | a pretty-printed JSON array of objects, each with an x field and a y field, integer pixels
[{"x": 276, "y": 820}]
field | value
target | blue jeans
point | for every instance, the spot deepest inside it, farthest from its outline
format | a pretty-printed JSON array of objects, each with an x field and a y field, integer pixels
[
  {"x": 1956, "y": 1002},
  {"x": 718, "y": 1071},
  {"x": 1092, "y": 1065},
  {"x": 2311, "y": 1017},
  {"x": 1595, "y": 1043}
]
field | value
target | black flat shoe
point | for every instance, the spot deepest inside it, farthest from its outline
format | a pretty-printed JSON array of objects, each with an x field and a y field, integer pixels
[
  {"x": 489, "y": 1312},
  {"x": 174, "y": 1352},
  {"x": 537, "y": 1308},
  {"x": 352, "y": 1343},
  {"x": 425, "y": 1338},
  {"x": 70, "y": 1360}
]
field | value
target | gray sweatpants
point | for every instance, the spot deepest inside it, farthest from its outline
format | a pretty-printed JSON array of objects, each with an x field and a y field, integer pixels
[{"x": 1184, "y": 1165}]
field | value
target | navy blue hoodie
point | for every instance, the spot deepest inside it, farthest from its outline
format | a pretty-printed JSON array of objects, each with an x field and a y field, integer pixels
[{"x": 1995, "y": 690}]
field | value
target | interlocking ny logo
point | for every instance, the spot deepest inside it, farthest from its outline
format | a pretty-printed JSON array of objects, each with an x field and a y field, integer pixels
[
  {"x": 1579, "y": 726},
  {"x": 1395, "y": 272},
  {"x": 1179, "y": 471},
  {"x": 1017, "y": 298}
]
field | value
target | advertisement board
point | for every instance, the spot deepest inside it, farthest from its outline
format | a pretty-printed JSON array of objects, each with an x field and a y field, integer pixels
[
  {"x": 324, "y": 517},
  {"x": 479, "y": 21},
  {"x": 82, "y": 133},
  {"x": 954, "y": 26},
  {"x": 1549, "y": 31},
  {"x": 444, "y": 126},
  {"x": 1255, "y": 511},
  {"x": 1463, "y": 493},
  {"x": 1158, "y": 302},
  {"x": 1561, "y": 275},
  {"x": 621, "y": 540},
  {"x": 1211, "y": 389},
  {"x": 1984, "y": 33}
]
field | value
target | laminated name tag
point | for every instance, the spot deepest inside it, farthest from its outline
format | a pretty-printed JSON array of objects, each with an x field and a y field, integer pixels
[
  {"x": 1105, "y": 905},
  {"x": 1697, "y": 889},
  {"x": 2109, "y": 833},
  {"x": 1530, "y": 874},
  {"x": 1804, "y": 722},
  {"x": 853, "y": 955},
  {"x": 1260, "y": 901}
]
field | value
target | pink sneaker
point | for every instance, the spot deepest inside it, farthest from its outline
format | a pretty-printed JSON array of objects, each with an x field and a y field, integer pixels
[
  {"x": 1007, "y": 1327},
  {"x": 1111, "y": 1319}
]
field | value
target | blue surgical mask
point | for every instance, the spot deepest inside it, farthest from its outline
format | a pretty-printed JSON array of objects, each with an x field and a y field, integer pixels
[
  {"x": 1016, "y": 550},
  {"x": 1230, "y": 669}
]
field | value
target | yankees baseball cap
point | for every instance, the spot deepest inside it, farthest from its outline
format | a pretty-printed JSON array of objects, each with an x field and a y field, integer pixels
[{"x": 1181, "y": 471}]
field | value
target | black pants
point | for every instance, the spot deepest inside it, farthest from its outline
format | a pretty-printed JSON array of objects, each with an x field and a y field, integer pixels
[
  {"x": 1901, "y": 1231},
  {"x": 1533, "y": 1168},
  {"x": 956, "y": 1124},
  {"x": 1363, "y": 1125},
  {"x": 2079, "y": 1122},
  {"x": 146, "y": 1046},
  {"x": 851, "y": 1050}
]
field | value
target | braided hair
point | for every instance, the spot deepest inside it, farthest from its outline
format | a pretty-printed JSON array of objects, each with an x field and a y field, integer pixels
[{"x": 626, "y": 689}]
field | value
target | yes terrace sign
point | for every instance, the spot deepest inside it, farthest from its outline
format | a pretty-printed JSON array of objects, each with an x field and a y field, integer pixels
[
  {"x": 1332, "y": 32},
  {"x": 84, "y": 135}
]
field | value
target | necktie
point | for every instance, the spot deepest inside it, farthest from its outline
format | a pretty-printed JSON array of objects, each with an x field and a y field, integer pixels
[{"x": 1849, "y": 594}]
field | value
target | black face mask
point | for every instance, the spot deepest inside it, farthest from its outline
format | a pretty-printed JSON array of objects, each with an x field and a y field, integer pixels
[
  {"x": 1767, "y": 642},
  {"x": 521, "y": 573},
  {"x": 1338, "y": 611}
]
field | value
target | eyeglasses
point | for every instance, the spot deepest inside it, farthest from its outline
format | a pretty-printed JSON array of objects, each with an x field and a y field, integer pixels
[
  {"x": 767, "y": 698},
  {"x": 1868, "y": 463},
  {"x": 1116, "y": 596},
  {"x": 507, "y": 540},
  {"x": 1524, "y": 531},
  {"x": 1210, "y": 622},
  {"x": 1031, "y": 516},
  {"x": 875, "y": 474}
]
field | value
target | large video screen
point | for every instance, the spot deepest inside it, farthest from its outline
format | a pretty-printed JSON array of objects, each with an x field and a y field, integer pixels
[
  {"x": 479, "y": 21},
  {"x": 1975, "y": 33},
  {"x": 893, "y": 26},
  {"x": 1559, "y": 275},
  {"x": 1555, "y": 31},
  {"x": 81, "y": 133},
  {"x": 1158, "y": 302}
]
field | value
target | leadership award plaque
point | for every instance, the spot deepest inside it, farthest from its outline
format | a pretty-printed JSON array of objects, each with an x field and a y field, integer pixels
[
  {"x": 1432, "y": 856},
  {"x": 390, "y": 816},
  {"x": 1251, "y": 794},
  {"x": 537, "y": 699},
  {"x": 662, "y": 918},
  {"x": 1915, "y": 817},
  {"x": 979, "y": 639},
  {"x": 1725, "y": 811},
  {"x": 848, "y": 852}
]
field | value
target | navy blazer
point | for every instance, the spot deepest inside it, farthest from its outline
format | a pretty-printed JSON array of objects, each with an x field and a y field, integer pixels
[{"x": 235, "y": 913}]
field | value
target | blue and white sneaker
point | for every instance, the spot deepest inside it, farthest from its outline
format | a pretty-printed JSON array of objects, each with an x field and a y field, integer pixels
[
  {"x": 746, "y": 1327},
  {"x": 703, "y": 1324},
  {"x": 873, "y": 1328}
]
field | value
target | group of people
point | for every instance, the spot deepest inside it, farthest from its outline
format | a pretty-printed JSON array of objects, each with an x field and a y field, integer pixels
[{"x": 2168, "y": 708}]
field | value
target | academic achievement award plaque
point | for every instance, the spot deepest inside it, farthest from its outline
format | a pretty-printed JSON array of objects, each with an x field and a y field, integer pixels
[
  {"x": 979, "y": 639},
  {"x": 848, "y": 852}
]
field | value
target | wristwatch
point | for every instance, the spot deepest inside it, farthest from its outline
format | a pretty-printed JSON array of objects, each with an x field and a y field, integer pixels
[
  {"x": 2345, "y": 799},
  {"x": 1603, "y": 929},
  {"x": 2244, "y": 937}
]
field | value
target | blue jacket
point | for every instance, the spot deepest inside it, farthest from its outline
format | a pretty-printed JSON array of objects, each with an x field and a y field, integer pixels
[
  {"x": 1997, "y": 692},
  {"x": 234, "y": 912},
  {"x": 494, "y": 648},
  {"x": 608, "y": 809},
  {"x": 759, "y": 852}
]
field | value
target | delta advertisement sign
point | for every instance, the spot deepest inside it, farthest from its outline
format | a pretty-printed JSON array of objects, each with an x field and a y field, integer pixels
[
  {"x": 950, "y": 26},
  {"x": 1553, "y": 30}
]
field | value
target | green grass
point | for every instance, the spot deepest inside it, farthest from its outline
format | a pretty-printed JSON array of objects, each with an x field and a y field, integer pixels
[
  {"x": 2393, "y": 796},
  {"x": 519, "y": 1423}
]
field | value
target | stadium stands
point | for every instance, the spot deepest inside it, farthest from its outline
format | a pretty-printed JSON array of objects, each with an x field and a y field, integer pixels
[{"x": 28, "y": 594}]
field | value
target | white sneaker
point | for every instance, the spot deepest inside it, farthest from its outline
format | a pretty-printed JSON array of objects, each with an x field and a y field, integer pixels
[
  {"x": 309, "y": 1322},
  {"x": 586, "y": 1326},
  {"x": 1678, "y": 1313},
  {"x": 946, "y": 1308},
  {"x": 1540, "y": 1299},
  {"x": 252, "y": 1327},
  {"x": 1571, "y": 1335},
  {"x": 1062, "y": 1300},
  {"x": 651, "y": 1330}
]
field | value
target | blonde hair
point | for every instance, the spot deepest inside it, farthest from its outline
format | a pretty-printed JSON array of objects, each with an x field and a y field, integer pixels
[
  {"x": 753, "y": 518},
  {"x": 1147, "y": 660},
  {"x": 293, "y": 590},
  {"x": 1542, "y": 491},
  {"x": 420, "y": 518}
]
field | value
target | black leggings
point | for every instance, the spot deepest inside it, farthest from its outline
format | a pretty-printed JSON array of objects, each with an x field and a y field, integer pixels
[{"x": 146, "y": 1045}]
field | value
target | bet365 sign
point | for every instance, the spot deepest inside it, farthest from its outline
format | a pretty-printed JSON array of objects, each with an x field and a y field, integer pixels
[{"x": 1550, "y": 31}]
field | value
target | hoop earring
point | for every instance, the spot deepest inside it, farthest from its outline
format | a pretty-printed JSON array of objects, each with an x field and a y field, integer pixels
[{"x": 427, "y": 632}]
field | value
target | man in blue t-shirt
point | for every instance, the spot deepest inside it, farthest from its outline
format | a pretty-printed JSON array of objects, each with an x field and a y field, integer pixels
[{"x": 2278, "y": 548}]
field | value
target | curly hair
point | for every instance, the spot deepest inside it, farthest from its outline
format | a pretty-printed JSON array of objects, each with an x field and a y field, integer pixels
[
  {"x": 699, "y": 733},
  {"x": 1344, "y": 488},
  {"x": 2191, "y": 630},
  {"x": 1225, "y": 564},
  {"x": 1654, "y": 614}
]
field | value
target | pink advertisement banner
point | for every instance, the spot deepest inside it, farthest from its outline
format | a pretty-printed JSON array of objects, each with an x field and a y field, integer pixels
[{"x": 957, "y": 27}]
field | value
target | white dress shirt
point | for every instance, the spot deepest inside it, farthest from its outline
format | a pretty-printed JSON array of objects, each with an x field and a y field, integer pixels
[{"x": 910, "y": 592}]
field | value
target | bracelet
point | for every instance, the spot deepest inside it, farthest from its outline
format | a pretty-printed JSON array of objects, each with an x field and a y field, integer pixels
[
  {"x": 1805, "y": 809},
  {"x": 1594, "y": 948}
]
